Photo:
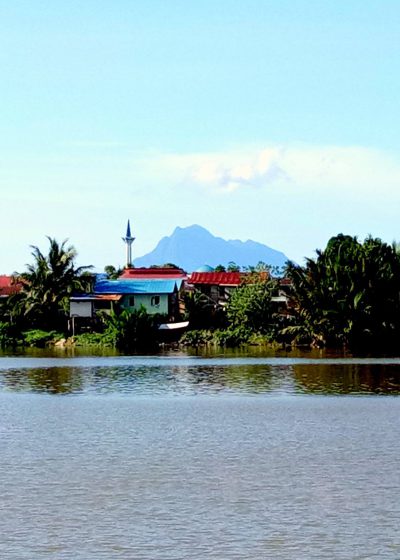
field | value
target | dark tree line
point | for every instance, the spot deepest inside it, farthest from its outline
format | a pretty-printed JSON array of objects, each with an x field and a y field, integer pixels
[{"x": 349, "y": 294}]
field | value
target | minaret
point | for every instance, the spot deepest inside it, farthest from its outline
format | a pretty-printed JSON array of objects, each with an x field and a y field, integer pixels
[{"x": 128, "y": 239}]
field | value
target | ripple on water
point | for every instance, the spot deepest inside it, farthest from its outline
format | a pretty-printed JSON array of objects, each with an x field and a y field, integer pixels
[{"x": 203, "y": 478}]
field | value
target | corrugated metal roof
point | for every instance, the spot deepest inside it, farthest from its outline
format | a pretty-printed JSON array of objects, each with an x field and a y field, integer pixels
[
  {"x": 137, "y": 286},
  {"x": 160, "y": 273},
  {"x": 216, "y": 278}
]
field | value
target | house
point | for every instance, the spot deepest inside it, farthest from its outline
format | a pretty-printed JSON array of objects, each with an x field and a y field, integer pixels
[
  {"x": 156, "y": 289},
  {"x": 156, "y": 295},
  {"x": 215, "y": 285},
  {"x": 8, "y": 287},
  {"x": 282, "y": 300},
  {"x": 153, "y": 273}
]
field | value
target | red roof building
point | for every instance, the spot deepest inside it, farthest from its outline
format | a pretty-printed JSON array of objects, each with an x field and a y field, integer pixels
[
  {"x": 216, "y": 285},
  {"x": 216, "y": 278},
  {"x": 8, "y": 286},
  {"x": 156, "y": 273}
]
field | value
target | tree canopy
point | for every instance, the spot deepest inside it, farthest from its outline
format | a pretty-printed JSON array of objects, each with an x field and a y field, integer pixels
[
  {"x": 47, "y": 285},
  {"x": 250, "y": 306},
  {"x": 350, "y": 293}
]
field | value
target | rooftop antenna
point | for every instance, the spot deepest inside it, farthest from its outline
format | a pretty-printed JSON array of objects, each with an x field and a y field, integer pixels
[{"x": 128, "y": 240}]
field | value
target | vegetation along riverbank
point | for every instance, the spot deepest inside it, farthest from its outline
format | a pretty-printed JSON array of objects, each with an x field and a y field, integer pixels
[{"x": 348, "y": 295}]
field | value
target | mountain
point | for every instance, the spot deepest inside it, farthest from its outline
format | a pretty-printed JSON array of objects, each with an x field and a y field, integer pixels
[{"x": 194, "y": 246}]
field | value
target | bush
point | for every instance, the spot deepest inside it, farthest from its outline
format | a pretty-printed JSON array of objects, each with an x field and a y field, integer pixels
[
  {"x": 196, "y": 338},
  {"x": 93, "y": 339},
  {"x": 39, "y": 338},
  {"x": 233, "y": 336},
  {"x": 132, "y": 330}
]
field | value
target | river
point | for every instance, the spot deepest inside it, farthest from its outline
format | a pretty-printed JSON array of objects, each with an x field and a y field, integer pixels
[{"x": 199, "y": 457}]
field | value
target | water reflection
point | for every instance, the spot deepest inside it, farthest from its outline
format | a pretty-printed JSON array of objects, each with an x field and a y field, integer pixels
[
  {"x": 347, "y": 379},
  {"x": 57, "y": 380},
  {"x": 143, "y": 379},
  {"x": 220, "y": 376}
]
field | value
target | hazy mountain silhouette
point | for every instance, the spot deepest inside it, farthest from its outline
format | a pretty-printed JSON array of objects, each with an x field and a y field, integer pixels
[{"x": 194, "y": 246}]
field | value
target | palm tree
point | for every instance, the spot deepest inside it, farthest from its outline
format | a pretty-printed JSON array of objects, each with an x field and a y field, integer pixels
[
  {"x": 48, "y": 283},
  {"x": 112, "y": 272},
  {"x": 349, "y": 294}
]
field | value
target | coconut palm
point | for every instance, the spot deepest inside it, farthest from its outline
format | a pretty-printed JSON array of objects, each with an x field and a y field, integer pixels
[
  {"x": 350, "y": 293},
  {"x": 47, "y": 285}
]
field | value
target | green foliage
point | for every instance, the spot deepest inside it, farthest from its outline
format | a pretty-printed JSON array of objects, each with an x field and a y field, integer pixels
[
  {"x": 229, "y": 337},
  {"x": 232, "y": 336},
  {"x": 219, "y": 268},
  {"x": 94, "y": 339},
  {"x": 40, "y": 338},
  {"x": 131, "y": 330},
  {"x": 250, "y": 306},
  {"x": 233, "y": 267},
  {"x": 249, "y": 312},
  {"x": 349, "y": 294},
  {"x": 47, "y": 286},
  {"x": 198, "y": 337},
  {"x": 261, "y": 266},
  {"x": 112, "y": 272}
]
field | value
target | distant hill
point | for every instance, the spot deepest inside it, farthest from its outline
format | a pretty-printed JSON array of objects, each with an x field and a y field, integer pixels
[{"x": 194, "y": 246}]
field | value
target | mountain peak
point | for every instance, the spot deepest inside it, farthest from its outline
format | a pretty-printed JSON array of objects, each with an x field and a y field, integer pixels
[
  {"x": 194, "y": 228},
  {"x": 192, "y": 246}
]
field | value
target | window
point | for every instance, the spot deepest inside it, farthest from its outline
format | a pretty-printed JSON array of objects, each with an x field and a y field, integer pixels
[
  {"x": 155, "y": 301},
  {"x": 131, "y": 301}
]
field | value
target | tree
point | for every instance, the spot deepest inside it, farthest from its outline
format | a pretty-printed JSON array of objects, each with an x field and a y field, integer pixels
[
  {"x": 349, "y": 294},
  {"x": 250, "y": 306},
  {"x": 131, "y": 330},
  {"x": 112, "y": 272},
  {"x": 233, "y": 267},
  {"x": 47, "y": 285}
]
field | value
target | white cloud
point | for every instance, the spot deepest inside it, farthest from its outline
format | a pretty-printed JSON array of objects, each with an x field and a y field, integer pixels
[{"x": 301, "y": 168}]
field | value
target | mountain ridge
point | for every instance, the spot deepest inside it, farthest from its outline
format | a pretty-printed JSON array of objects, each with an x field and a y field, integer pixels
[{"x": 194, "y": 246}]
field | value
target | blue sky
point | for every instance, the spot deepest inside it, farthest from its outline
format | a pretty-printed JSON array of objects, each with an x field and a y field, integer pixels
[{"x": 274, "y": 121}]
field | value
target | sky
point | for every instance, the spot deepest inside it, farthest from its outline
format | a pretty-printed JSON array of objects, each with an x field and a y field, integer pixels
[{"x": 257, "y": 119}]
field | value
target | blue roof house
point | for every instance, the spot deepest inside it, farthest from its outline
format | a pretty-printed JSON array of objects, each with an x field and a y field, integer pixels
[{"x": 157, "y": 296}]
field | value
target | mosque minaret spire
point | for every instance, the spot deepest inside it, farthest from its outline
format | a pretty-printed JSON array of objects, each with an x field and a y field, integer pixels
[{"x": 128, "y": 240}]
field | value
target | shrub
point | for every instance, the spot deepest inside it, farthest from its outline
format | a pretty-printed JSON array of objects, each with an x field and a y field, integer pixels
[
  {"x": 233, "y": 336},
  {"x": 196, "y": 338},
  {"x": 93, "y": 339},
  {"x": 39, "y": 338},
  {"x": 127, "y": 330}
]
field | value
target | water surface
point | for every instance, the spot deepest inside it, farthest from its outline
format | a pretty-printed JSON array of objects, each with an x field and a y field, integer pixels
[{"x": 181, "y": 457}]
